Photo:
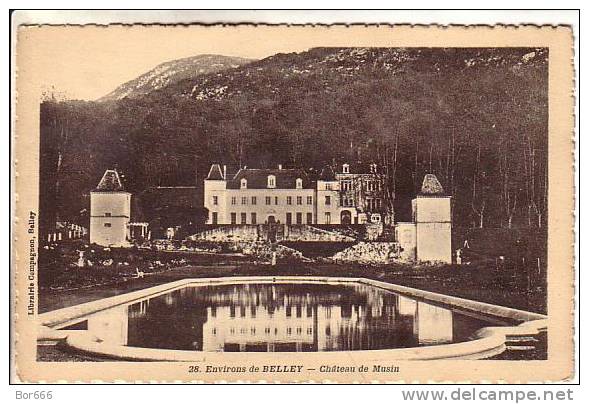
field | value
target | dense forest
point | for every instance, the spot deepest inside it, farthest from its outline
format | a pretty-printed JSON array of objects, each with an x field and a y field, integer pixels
[{"x": 477, "y": 118}]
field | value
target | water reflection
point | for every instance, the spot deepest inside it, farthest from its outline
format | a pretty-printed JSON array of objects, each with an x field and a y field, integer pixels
[{"x": 281, "y": 317}]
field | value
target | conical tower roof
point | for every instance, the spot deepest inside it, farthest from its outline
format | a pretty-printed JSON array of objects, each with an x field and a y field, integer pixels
[
  {"x": 431, "y": 186},
  {"x": 110, "y": 182},
  {"x": 327, "y": 174}
]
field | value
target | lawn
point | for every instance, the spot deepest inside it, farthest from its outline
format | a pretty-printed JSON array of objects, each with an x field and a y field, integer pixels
[{"x": 482, "y": 283}]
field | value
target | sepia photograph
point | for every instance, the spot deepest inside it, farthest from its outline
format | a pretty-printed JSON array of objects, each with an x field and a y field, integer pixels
[{"x": 282, "y": 205}]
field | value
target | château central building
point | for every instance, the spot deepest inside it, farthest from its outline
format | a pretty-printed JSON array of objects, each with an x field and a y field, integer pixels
[{"x": 290, "y": 196}]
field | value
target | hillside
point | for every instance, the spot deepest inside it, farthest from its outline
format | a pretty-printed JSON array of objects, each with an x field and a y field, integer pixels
[
  {"x": 173, "y": 71},
  {"x": 477, "y": 118}
]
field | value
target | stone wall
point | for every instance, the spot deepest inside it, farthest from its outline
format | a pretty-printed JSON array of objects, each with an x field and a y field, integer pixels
[
  {"x": 405, "y": 235},
  {"x": 264, "y": 251},
  {"x": 248, "y": 232},
  {"x": 310, "y": 233},
  {"x": 224, "y": 233},
  {"x": 369, "y": 253}
]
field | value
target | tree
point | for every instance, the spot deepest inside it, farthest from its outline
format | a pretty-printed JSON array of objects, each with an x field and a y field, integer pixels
[{"x": 479, "y": 197}]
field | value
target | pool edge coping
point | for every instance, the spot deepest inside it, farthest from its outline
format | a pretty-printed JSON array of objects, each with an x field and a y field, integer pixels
[{"x": 491, "y": 342}]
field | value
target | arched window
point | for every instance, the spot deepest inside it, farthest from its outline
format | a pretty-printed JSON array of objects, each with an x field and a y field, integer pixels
[
  {"x": 243, "y": 183},
  {"x": 346, "y": 168},
  {"x": 271, "y": 181},
  {"x": 299, "y": 183}
]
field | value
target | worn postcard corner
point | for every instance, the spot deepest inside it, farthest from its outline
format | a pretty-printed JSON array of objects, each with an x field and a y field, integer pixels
[{"x": 360, "y": 203}]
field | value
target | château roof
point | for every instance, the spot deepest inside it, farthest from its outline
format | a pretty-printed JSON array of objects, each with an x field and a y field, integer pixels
[
  {"x": 110, "y": 182},
  {"x": 258, "y": 178},
  {"x": 431, "y": 186}
]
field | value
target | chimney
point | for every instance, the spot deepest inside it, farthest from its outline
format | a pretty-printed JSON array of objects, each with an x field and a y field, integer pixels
[
  {"x": 280, "y": 166},
  {"x": 224, "y": 172}
]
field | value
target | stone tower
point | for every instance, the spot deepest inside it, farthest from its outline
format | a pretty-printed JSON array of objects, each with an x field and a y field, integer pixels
[
  {"x": 433, "y": 221},
  {"x": 215, "y": 194},
  {"x": 110, "y": 210}
]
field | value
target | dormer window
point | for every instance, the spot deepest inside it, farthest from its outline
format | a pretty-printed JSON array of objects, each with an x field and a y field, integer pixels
[
  {"x": 346, "y": 168},
  {"x": 271, "y": 181},
  {"x": 299, "y": 183},
  {"x": 243, "y": 183},
  {"x": 373, "y": 168}
]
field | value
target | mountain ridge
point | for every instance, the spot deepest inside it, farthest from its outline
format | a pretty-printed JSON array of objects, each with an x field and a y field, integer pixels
[{"x": 169, "y": 72}]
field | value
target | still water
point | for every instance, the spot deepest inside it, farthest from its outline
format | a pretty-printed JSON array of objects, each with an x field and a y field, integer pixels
[{"x": 281, "y": 317}]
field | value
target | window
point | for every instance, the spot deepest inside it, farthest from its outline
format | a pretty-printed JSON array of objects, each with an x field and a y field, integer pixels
[
  {"x": 327, "y": 200},
  {"x": 373, "y": 168},
  {"x": 233, "y": 200},
  {"x": 107, "y": 214},
  {"x": 275, "y": 200},
  {"x": 309, "y": 200},
  {"x": 243, "y": 218},
  {"x": 254, "y": 218},
  {"x": 254, "y": 200},
  {"x": 327, "y": 217},
  {"x": 328, "y": 186},
  {"x": 244, "y": 200},
  {"x": 299, "y": 183},
  {"x": 215, "y": 217},
  {"x": 271, "y": 181},
  {"x": 346, "y": 185},
  {"x": 299, "y": 218},
  {"x": 289, "y": 200},
  {"x": 346, "y": 168},
  {"x": 215, "y": 200},
  {"x": 243, "y": 184},
  {"x": 288, "y": 218},
  {"x": 299, "y": 200},
  {"x": 107, "y": 225},
  {"x": 268, "y": 200},
  {"x": 233, "y": 218},
  {"x": 309, "y": 218}
]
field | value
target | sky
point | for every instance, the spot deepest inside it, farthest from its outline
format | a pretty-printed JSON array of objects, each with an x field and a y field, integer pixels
[{"x": 89, "y": 62}]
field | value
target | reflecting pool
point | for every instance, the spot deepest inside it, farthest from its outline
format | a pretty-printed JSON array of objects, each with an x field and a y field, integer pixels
[{"x": 281, "y": 317}]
